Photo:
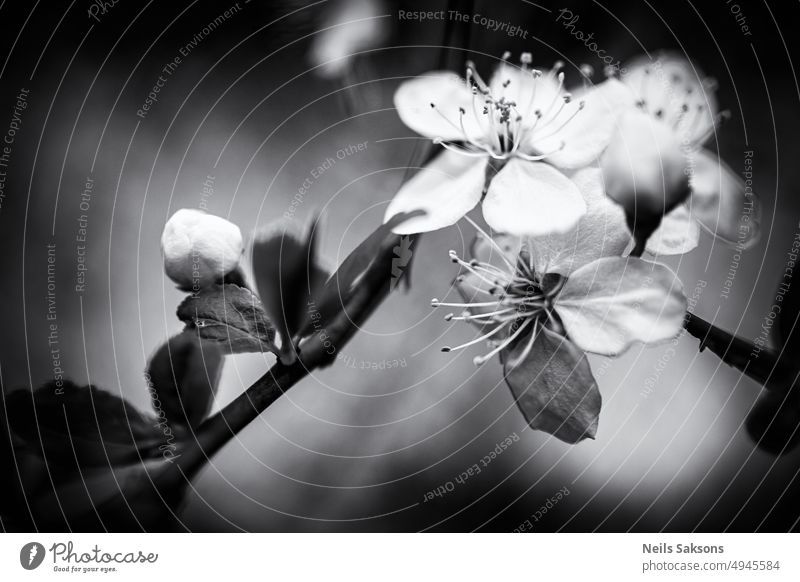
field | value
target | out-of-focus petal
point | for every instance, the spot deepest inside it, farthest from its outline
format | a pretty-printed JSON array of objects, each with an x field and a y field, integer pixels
[
  {"x": 677, "y": 234},
  {"x": 589, "y": 131},
  {"x": 532, "y": 198},
  {"x": 613, "y": 302},
  {"x": 348, "y": 27},
  {"x": 676, "y": 91},
  {"x": 645, "y": 167},
  {"x": 722, "y": 203},
  {"x": 601, "y": 232},
  {"x": 553, "y": 386},
  {"x": 446, "y": 189}
]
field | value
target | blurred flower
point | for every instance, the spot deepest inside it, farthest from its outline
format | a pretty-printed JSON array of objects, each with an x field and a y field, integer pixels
[
  {"x": 199, "y": 249},
  {"x": 508, "y": 142},
  {"x": 542, "y": 302},
  {"x": 645, "y": 170},
  {"x": 683, "y": 113},
  {"x": 348, "y": 27}
]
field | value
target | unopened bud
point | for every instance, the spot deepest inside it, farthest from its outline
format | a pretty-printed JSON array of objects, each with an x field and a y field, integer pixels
[{"x": 199, "y": 248}]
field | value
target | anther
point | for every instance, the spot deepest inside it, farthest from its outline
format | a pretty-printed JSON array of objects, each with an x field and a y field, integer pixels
[{"x": 435, "y": 302}]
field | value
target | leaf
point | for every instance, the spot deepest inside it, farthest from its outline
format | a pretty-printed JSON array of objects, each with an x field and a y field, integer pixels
[
  {"x": 553, "y": 386},
  {"x": 230, "y": 315},
  {"x": 81, "y": 423},
  {"x": 774, "y": 422},
  {"x": 183, "y": 376},
  {"x": 351, "y": 270},
  {"x": 382, "y": 245},
  {"x": 287, "y": 276}
]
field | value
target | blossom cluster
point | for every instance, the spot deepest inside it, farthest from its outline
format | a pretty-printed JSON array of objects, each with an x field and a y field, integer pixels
[{"x": 574, "y": 186}]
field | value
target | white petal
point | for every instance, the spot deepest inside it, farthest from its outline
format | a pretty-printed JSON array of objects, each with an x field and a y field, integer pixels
[
  {"x": 677, "y": 234},
  {"x": 446, "y": 189},
  {"x": 587, "y": 134},
  {"x": 668, "y": 83},
  {"x": 721, "y": 202},
  {"x": 601, "y": 232},
  {"x": 645, "y": 166},
  {"x": 532, "y": 198},
  {"x": 449, "y": 93},
  {"x": 611, "y": 303}
]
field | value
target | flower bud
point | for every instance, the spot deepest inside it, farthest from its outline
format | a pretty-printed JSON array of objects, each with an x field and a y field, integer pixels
[
  {"x": 645, "y": 170},
  {"x": 199, "y": 248}
]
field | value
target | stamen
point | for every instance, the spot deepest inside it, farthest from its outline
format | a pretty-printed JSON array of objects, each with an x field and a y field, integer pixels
[
  {"x": 436, "y": 303},
  {"x": 492, "y": 242},
  {"x": 477, "y": 340},
  {"x": 581, "y": 105}
]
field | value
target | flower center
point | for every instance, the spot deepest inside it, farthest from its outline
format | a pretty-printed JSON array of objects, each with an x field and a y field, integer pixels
[
  {"x": 503, "y": 128},
  {"x": 509, "y": 300}
]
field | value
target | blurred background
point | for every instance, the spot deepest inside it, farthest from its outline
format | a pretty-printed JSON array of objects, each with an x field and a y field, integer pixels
[{"x": 253, "y": 99}]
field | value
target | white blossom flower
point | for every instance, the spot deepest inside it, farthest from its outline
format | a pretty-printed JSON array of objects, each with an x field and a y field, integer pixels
[
  {"x": 199, "y": 248},
  {"x": 508, "y": 142},
  {"x": 680, "y": 101},
  {"x": 542, "y": 302}
]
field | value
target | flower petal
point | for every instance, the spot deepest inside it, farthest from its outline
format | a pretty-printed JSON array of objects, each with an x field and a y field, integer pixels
[
  {"x": 676, "y": 91},
  {"x": 722, "y": 203},
  {"x": 553, "y": 386},
  {"x": 677, "y": 234},
  {"x": 449, "y": 93},
  {"x": 585, "y": 136},
  {"x": 601, "y": 232},
  {"x": 613, "y": 302},
  {"x": 532, "y": 198},
  {"x": 446, "y": 189}
]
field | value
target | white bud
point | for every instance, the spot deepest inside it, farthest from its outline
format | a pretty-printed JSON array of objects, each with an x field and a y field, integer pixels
[
  {"x": 645, "y": 166},
  {"x": 199, "y": 248}
]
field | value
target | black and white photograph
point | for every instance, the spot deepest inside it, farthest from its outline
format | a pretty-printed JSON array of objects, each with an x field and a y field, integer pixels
[{"x": 393, "y": 266}]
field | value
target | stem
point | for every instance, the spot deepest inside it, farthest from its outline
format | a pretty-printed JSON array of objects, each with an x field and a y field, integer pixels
[{"x": 763, "y": 365}]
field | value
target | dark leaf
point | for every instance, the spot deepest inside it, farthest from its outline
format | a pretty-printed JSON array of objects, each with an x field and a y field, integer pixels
[
  {"x": 287, "y": 277},
  {"x": 394, "y": 251},
  {"x": 82, "y": 423},
  {"x": 230, "y": 315},
  {"x": 351, "y": 270},
  {"x": 184, "y": 374},
  {"x": 774, "y": 422},
  {"x": 130, "y": 498},
  {"x": 553, "y": 386}
]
